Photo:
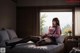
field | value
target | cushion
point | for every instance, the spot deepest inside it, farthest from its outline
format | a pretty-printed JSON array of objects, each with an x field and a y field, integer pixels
[
  {"x": 4, "y": 36},
  {"x": 11, "y": 33},
  {"x": 60, "y": 39}
]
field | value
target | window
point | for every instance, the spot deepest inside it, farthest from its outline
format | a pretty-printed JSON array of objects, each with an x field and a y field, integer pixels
[{"x": 65, "y": 19}]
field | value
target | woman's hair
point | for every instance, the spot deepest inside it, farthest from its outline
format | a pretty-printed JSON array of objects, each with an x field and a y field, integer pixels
[{"x": 56, "y": 20}]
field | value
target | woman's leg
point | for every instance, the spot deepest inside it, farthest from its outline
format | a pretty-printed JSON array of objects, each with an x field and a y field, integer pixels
[
  {"x": 24, "y": 40},
  {"x": 53, "y": 40},
  {"x": 35, "y": 39},
  {"x": 43, "y": 42}
]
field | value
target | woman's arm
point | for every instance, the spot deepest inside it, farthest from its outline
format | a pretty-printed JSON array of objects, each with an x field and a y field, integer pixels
[{"x": 58, "y": 32}]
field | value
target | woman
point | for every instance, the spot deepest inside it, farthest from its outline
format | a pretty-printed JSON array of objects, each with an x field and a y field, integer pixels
[
  {"x": 49, "y": 38},
  {"x": 55, "y": 29},
  {"x": 53, "y": 32}
]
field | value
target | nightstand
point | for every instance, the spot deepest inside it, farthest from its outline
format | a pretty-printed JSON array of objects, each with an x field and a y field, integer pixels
[{"x": 69, "y": 44}]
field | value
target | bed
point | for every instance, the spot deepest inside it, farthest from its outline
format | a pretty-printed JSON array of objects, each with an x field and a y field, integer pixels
[
  {"x": 28, "y": 47},
  {"x": 32, "y": 48}
]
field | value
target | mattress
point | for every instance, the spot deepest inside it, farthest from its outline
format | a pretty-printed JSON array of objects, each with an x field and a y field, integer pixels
[{"x": 32, "y": 48}]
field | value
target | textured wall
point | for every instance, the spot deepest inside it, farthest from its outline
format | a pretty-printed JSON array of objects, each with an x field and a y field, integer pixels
[
  {"x": 26, "y": 21},
  {"x": 7, "y": 14}
]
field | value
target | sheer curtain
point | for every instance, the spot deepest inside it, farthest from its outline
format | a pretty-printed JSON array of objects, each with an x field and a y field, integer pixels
[{"x": 77, "y": 21}]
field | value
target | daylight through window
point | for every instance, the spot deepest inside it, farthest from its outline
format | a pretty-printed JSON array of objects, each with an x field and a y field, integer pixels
[{"x": 65, "y": 19}]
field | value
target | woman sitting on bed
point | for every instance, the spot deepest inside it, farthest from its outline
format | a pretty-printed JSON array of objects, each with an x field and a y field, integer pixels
[
  {"x": 53, "y": 33},
  {"x": 49, "y": 38}
]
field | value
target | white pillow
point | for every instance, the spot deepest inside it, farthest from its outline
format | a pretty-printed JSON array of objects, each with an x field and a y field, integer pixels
[
  {"x": 4, "y": 36},
  {"x": 60, "y": 39},
  {"x": 11, "y": 33}
]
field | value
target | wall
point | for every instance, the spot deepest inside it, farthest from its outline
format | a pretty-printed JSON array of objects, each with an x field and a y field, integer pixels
[
  {"x": 26, "y": 21},
  {"x": 44, "y": 3},
  {"x": 77, "y": 21},
  {"x": 7, "y": 14}
]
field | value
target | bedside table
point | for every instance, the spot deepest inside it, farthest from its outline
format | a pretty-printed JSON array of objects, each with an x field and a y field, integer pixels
[{"x": 69, "y": 44}]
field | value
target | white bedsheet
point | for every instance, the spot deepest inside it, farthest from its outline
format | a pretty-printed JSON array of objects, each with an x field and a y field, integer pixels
[{"x": 32, "y": 48}]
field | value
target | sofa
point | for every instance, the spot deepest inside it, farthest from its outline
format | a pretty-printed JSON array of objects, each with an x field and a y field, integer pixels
[{"x": 9, "y": 35}]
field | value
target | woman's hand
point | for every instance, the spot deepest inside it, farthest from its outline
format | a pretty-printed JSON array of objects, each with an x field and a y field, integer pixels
[{"x": 49, "y": 35}]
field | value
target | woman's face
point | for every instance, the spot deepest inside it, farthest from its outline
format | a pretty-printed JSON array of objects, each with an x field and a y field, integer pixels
[{"x": 54, "y": 23}]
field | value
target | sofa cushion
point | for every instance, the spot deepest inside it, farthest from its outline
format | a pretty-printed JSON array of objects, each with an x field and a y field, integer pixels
[
  {"x": 11, "y": 33},
  {"x": 4, "y": 36}
]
